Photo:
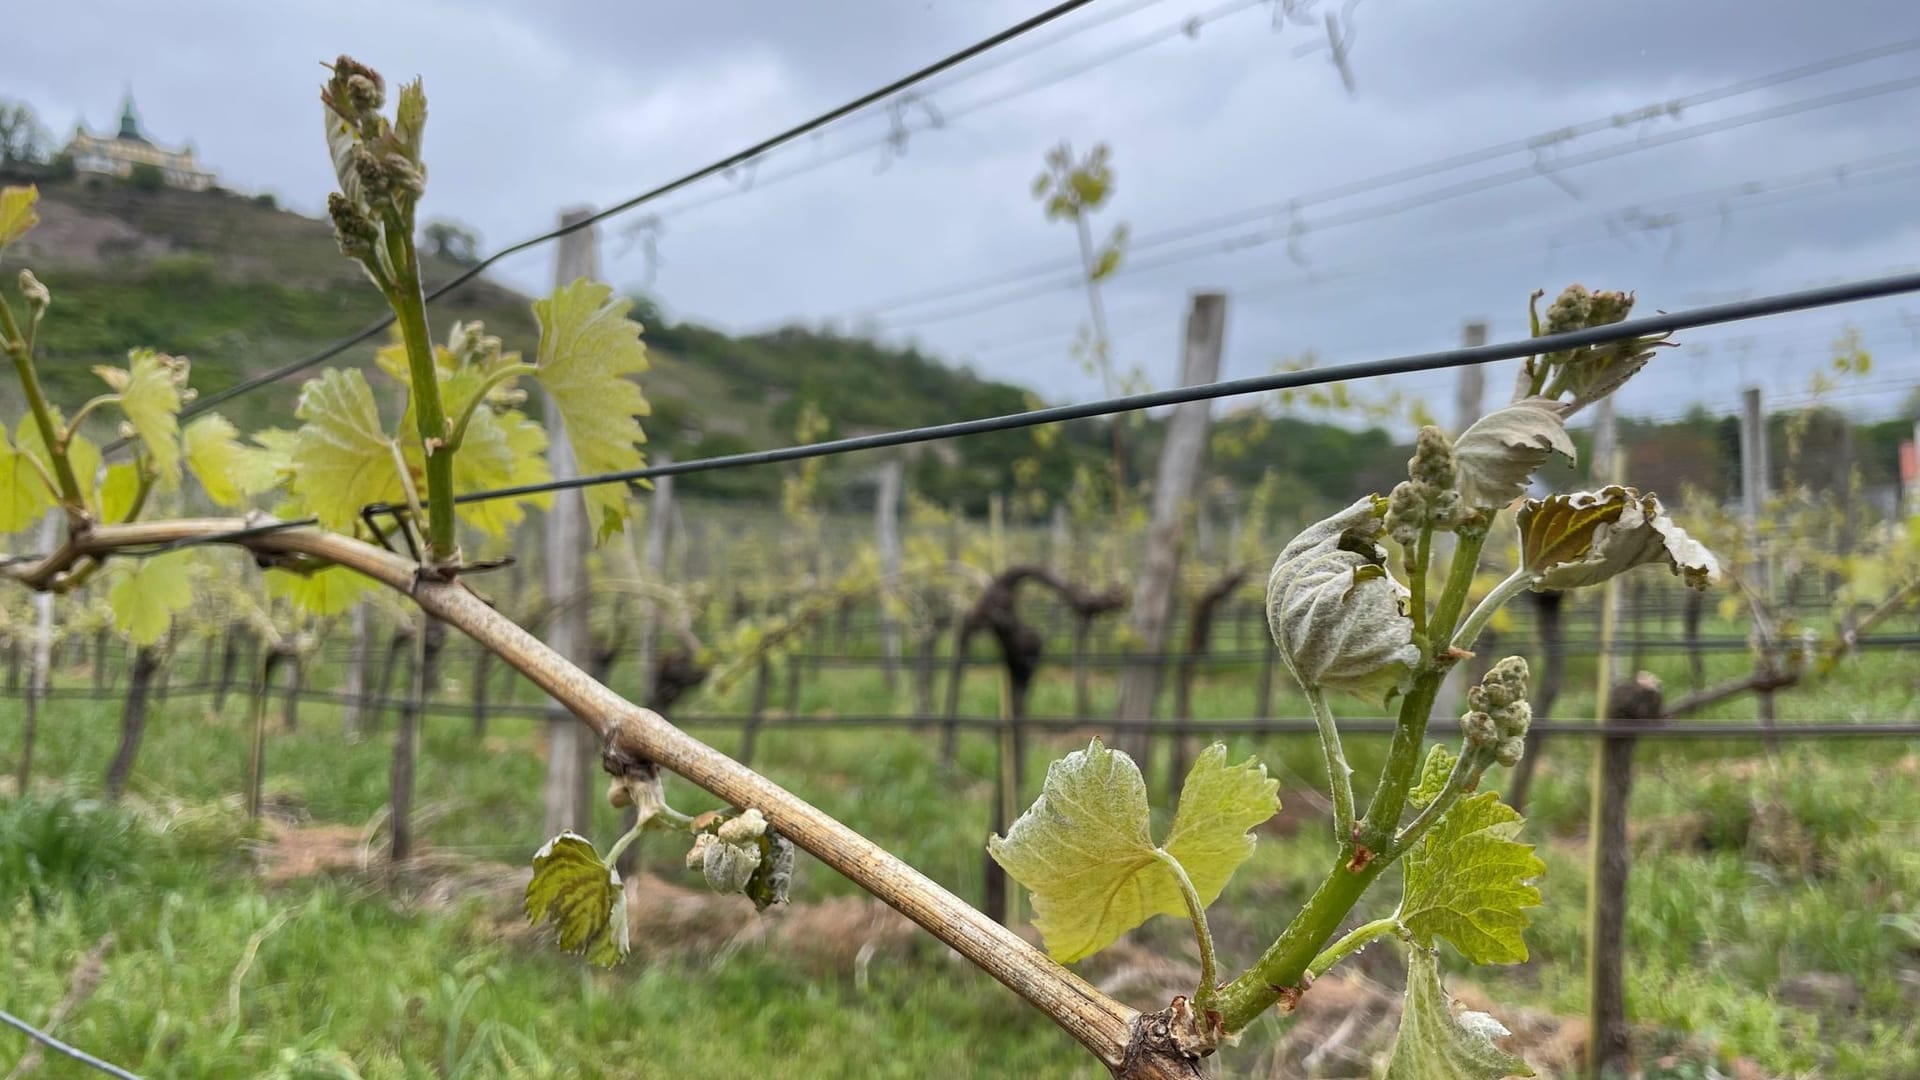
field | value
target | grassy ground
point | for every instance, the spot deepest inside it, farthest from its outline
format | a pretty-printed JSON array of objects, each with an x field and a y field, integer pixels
[{"x": 1773, "y": 903}]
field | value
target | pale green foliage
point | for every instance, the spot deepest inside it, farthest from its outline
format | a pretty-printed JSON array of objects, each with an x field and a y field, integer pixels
[
  {"x": 582, "y": 897},
  {"x": 1467, "y": 882},
  {"x": 1438, "y": 1042},
  {"x": 501, "y": 446},
  {"x": 151, "y": 389},
  {"x": 1085, "y": 848},
  {"x": 588, "y": 350},
  {"x": 118, "y": 491},
  {"x": 23, "y": 494},
  {"x": 1433, "y": 777},
  {"x": 1499, "y": 452},
  {"x": 17, "y": 215},
  {"x": 227, "y": 469},
  {"x": 342, "y": 459},
  {"x": 1338, "y": 618},
  {"x": 147, "y": 595},
  {"x": 82, "y": 454},
  {"x": 331, "y": 590}
]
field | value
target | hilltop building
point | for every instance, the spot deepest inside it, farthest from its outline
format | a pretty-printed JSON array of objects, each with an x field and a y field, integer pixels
[{"x": 116, "y": 155}]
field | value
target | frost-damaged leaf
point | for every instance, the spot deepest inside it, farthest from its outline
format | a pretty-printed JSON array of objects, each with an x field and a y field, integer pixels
[
  {"x": 1438, "y": 1042},
  {"x": 341, "y": 457},
  {"x": 1569, "y": 541},
  {"x": 24, "y": 495},
  {"x": 1467, "y": 882},
  {"x": 1337, "y": 617},
  {"x": 146, "y": 597},
  {"x": 1085, "y": 849},
  {"x": 588, "y": 348},
  {"x": 150, "y": 389},
  {"x": 332, "y": 590},
  {"x": 582, "y": 897},
  {"x": 16, "y": 212},
  {"x": 1498, "y": 454},
  {"x": 228, "y": 469}
]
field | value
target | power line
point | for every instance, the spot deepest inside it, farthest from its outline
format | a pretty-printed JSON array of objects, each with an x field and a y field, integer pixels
[
  {"x": 1758, "y": 307},
  {"x": 1841, "y": 178},
  {"x": 1533, "y": 144},
  {"x": 1066, "y": 7},
  {"x": 940, "y": 118},
  {"x": 1449, "y": 358},
  {"x": 1297, "y": 228},
  {"x": 59, "y": 1047}
]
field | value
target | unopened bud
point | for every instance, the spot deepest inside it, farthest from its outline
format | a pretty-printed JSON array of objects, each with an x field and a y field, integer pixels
[
  {"x": 1570, "y": 310},
  {"x": 34, "y": 292},
  {"x": 1510, "y": 751},
  {"x": 1432, "y": 461},
  {"x": 1479, "y": 729}
]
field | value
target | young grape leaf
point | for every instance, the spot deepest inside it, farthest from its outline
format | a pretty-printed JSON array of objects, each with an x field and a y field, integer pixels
[
  {"x": 118, "y": 491},
  {"x": 342, "y": 458},
  {"x": 1467, "y": 882},
  {"x": 149, "y": 388},
  {"x": 228, "y": 469},
  {"x": 588, "y": 348},
  {"x": 1219, "y": 806},
  {"x": 583, "y": 898},
  {"x": 24, "y": 496},
  {"x": 500, "y": 449},
  {"x": 16, "y": 212},
  {"x": 1436, "y": 1042},
  {"x": 82, "y": 454},
  {"x": 146, "y": 597},
  {"x": 330, "y": 591},
  {"x": 1433, "y": 777},
  {"x": 1085, "y": 848},
  {"x": 1338, "y": 619},
  {"x": 1499, "y": 452}
]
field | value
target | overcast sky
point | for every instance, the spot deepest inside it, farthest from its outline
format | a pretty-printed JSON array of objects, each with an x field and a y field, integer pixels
[{"x": 538, "y": 107}]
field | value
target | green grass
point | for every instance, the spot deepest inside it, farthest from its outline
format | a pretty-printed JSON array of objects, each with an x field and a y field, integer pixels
[{"x": 1747, "y": 873}]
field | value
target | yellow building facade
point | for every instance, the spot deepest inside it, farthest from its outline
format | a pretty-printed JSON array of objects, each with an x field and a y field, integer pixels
[{"x": 116, "y": 155}]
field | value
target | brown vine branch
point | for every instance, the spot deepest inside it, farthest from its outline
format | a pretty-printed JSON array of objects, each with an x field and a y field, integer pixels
[{"x": 1118, "y": 1035}]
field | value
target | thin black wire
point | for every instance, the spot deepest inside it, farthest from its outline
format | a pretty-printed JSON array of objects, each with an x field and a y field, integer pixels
[
  {"x": 1757, "y": 307},
  {"x": 1066, "y": 7},
  {"x": 59, "y": 1047},
  {"x": 1693, "y": 318},
  {"x": 1286, "y": 226},
  {"x": 1531, "y": 143}
]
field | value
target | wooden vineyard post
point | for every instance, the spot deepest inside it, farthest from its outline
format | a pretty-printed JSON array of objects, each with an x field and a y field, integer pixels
[
  {"x": 40, "y": 662},
  {"x": 482, "y": 676},
  {"x": 229, "y": 662},
  {"x": 257, "y": 721},
  {"x": 406, "y": 738},
  {"x": 356, "y": 690},
  {"x": 1636, "y": 702},
  {"x": 757, "y": 712},
  {"x": 886, "y": 528},
  {"x": 1695, "y": 606},
  {"x": 133, "y": 718},
  {"x": 1550, "y": 630},
  {"x": 660, "y": 509},
  {"x": 570, "y": 753},
  {"x": 1178, "y": 475}
]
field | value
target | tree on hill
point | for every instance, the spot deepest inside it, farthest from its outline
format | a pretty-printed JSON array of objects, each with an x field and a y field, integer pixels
[
  {"x": 23, "y": 139},
  {"x": 147, "y": 178},
  {"x": 452, "y": 241}
]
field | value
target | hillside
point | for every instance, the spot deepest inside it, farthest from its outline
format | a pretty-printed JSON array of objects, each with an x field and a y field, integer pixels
[{"x": 241, "y": 286}]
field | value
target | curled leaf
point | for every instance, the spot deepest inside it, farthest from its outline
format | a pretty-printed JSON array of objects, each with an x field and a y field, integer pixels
[
  {"x": 1336, "y": 615},
  {"x": 582, "y": 897},
  {"x": 728, "y": 867},
  {"x": 1438, "y": 1042},
  {"x": 1498, "y": 454},
  {"x": 1584, "y": 538}
]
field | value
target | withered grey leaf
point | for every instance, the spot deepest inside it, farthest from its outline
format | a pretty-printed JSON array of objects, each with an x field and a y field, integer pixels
[{"x": 1498, "y": 454}]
